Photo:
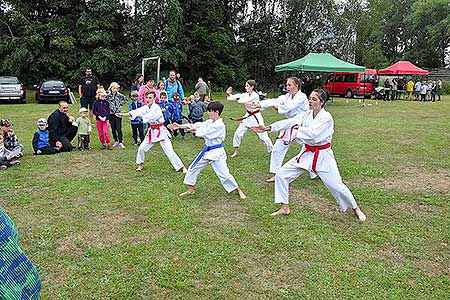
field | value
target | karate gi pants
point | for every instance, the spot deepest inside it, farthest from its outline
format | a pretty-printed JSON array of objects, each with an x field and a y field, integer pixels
[
  {"x": 277, "y": 156},
  {"x": 220, "y": 167},
  {"x": 242, "y": 129},
  {"x": 331, "y": 178},
  {"x": 166, "y": 145}
]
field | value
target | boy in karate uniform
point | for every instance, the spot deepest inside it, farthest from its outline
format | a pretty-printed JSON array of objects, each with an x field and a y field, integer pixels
[
  {"x": 214, "y": 132},
  {"x": 157, "y": 133}
]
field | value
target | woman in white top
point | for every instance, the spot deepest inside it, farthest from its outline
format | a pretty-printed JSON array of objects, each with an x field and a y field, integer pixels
[
  {"x": 314, "y": 131},
  {"x": 251, "y": 118},
  {"x": 291, "y": 104}
]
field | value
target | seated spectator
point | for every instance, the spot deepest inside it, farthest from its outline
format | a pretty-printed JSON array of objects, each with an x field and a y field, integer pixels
[
  {"x": 11, "y": 141},
  {"x": 4, "y": 162},
  {"x": 61, "y": 128},
  {"x": 41, "y": 141}
]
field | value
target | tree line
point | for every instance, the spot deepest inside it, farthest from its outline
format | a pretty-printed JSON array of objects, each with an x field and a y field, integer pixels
[{"x": 225, "y": 41}]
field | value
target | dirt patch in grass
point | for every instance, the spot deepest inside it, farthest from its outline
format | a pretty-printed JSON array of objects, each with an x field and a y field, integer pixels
[
  {"x": 105, "y": 230},
  {"x": 435, "y": 265},
  {"x": 261, "y": 273},
  {"x": 412, "y": 179},
  {"x": 304, "y": 198},
  {"x": 226, "y": 212},
  {"x": 389, "y": 254},
  {"x": 418, "y": 209}
]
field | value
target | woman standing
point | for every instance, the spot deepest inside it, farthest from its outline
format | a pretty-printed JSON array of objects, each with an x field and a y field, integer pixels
[
  {"x": 315, "y": 132},
  {"x": 137, "y": 83},
  {"x": 251, "y": 118},
  {"x": 19, "y": 278},
  {"x": 116, "y": 100},
  {"x": 148, "y": 86},
  {"x": 291, "y": 104}
]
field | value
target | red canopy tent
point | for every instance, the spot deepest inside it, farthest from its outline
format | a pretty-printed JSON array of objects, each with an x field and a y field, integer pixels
[{"x": 403, "y": 68}]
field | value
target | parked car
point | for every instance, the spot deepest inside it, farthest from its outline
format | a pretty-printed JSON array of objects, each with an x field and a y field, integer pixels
[
  {"x": 52, "y": 91},
  {"x": 12, "y": 90},
  {"x": 350, "y": 84}
]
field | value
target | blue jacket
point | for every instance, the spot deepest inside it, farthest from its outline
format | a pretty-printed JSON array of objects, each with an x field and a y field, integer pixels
[
  {"x": 40, "y": 139},
  {"x": 177, "y": 111},
  {"x": 168, "y": 107},
  {"x": 132, "y": 106},
  {"x": 172, "y": 87}
]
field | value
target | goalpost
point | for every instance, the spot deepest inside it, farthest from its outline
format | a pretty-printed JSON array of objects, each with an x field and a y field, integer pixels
[{"x": 158, "y": 66}]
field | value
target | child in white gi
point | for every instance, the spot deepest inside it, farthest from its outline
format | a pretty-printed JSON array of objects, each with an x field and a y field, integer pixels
[
  {"x": 251, "y": 118},
  {"x": 213, "y": 131},
  {"x": 315, "y": 131},
  {"x": 157, "y": 132},
  {"x": 290, "y": 104}
]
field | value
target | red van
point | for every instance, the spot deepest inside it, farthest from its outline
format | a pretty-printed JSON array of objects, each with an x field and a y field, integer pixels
[{"x": 350, "y": 84}]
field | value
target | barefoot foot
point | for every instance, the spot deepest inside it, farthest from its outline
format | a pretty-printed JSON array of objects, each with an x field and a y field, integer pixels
[
  {"x": 187, "y": 193},
  {"x": 241, "y": 194},
  {"x": 281, "y": 212},
  {"x": 359, "y": 214},
  {"x": 271, "y": 179}
]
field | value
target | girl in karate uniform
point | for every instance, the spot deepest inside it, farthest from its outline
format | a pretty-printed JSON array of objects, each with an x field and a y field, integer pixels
[
  {"x": 157, "y": 133},
  {"x": 213, "y": 131},
  {"x": 291, "y": 104},
  {"x": 252, "y": 117},
  {"x": 314, "y": 131}
]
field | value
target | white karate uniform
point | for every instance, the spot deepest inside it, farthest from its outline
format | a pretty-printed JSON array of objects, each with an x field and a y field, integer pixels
[
  {"x": 153, "y": 115},
  {"x": 314, "y": 132},
  {"x": 214, "y": 134},
  {"x": 290, "y": 107},
  {"x": 250, "y": 121}
]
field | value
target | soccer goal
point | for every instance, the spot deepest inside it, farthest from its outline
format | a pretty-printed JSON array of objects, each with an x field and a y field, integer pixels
[{"x": 158, "y": 66}]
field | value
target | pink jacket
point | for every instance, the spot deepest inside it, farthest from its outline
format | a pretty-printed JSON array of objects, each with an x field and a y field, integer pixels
[{"x": 142, "y": 90}]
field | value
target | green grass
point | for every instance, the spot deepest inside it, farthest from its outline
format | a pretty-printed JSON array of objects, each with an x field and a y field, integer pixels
[{"x": 96, "y": 229}]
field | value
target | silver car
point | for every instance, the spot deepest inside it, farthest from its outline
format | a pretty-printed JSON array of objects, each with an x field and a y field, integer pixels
[{"x": 11, "y": 89}]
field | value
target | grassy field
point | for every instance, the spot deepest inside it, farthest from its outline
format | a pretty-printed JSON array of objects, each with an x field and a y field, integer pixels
[{"x": 96, "y": 229}]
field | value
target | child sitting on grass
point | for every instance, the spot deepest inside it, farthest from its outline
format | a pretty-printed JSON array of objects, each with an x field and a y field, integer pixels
[
  {"x": 41, "y": 142},
  {"x": 214, "y": 132},
  {"x": 10, "y": 140}
]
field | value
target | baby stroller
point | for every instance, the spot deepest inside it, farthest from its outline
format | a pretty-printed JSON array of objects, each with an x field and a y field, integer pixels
[
  {"x": 261, "y": 95},
  {"x": 379, "y": 93}
]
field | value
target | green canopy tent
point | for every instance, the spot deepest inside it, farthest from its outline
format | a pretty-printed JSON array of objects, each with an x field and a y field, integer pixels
[{"x": 319, "y": 62}]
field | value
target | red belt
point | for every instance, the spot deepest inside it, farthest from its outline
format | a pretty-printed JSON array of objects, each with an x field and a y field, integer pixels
[
  {"x": 291, "y": 130},
  {"x": 250, "y": 113},
  {"x": 315, "y": 150},
  {"x": 154, "y": 126}
]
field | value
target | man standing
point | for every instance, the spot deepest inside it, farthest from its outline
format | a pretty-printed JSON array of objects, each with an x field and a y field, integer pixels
[
  {"x": 61, "y": 128},
  {"x": 87, "y": 89},
  {"x": 201, "y": 87},
  {"x": 172, "y": 85}
]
